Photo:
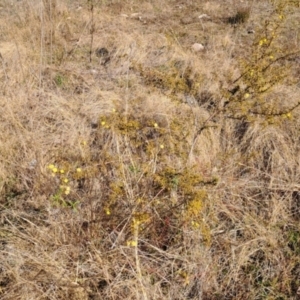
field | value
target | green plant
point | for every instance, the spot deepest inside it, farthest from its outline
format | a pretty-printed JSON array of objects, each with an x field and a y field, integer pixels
[
  {"x": 62, "y": 178},
  {"x": 59, "y": 80}
]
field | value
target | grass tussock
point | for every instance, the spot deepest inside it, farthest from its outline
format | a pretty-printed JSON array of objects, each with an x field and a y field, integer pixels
[{"x": 132, "y": 167}]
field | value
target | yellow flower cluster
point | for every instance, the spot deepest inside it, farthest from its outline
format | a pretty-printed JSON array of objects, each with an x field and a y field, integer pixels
[
  {"x": 104, "y": 124},
  {"x": 288, "y": 115},
  {"x": 263, "y": 42},
  {"x": 195, "y": 224},
  {"x": 55, "y": 171},
  {"x": 53, "y": 168},
  {"x": 131, "y": 243},
  {"x": 66, "y": 189}
]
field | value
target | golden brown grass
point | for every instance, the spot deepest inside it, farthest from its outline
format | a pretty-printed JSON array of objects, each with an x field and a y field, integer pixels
[{"x": 162, "y": 190}]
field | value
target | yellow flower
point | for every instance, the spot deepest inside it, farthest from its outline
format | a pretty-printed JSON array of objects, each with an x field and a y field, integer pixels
[
  {"x": 67, "y": 191},
  {"x": 131, "y": 243},
  {"x": 136, "y": 222},
  {"x": 287, "y": 115},
  {"x": 271, "y": 57},
  {"x": 62, "y": 171},
  {"x": 78, "y": 170},
  {"x": 155, "y": 125},
  {"x": 103, "y": 123},
  {"x": 247, "y": 95},
  {"x": 65, "y": 180},
  {"x": 263, "y": 41},
  {"x": 107, "y": 211},
  {"x": 51, "y": 167},
  {"x": 162, "y": 146},
  {"x": 54, "y": 170},
  {"x": 84, "y": 143},
  {"x": 195, "y": 224}
]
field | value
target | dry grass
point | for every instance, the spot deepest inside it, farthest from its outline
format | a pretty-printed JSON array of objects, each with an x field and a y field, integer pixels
[{"x": 166, "y": 192}]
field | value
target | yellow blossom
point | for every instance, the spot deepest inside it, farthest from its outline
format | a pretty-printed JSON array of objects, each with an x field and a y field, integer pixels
[
  {"x": 136, "y": 222},
  {"x": 263, "y": 41},
  {"x": 247, "y": 95},
  {"x": 287, "y": 115},
  {"x": 67, "y": 191},
  {"x": 54, "y": 170},
  {"x": 51, "y": 167},
  {"x": 65, "y": 180},
  {"x": 195, "y": 224},
  {"x": 162, "y": 146},
  {"x": 103, "y": 123},
  {"x": 131, "y": 243},
  {"x": 78, "y": 170},
  {"x": 62, "y": 171},
  {"x": 155, "y": 125}
]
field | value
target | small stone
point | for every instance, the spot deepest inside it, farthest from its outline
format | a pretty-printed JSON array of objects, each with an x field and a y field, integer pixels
[
  {"x": 32, "y": 164},
  {"x": 93, "y": 71},
  {"x": 197, "y": 47},
  {"x": 190, "y": 100},
  {"x": 204, "y": 16},
  {"x": 136, "y": 16}
]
